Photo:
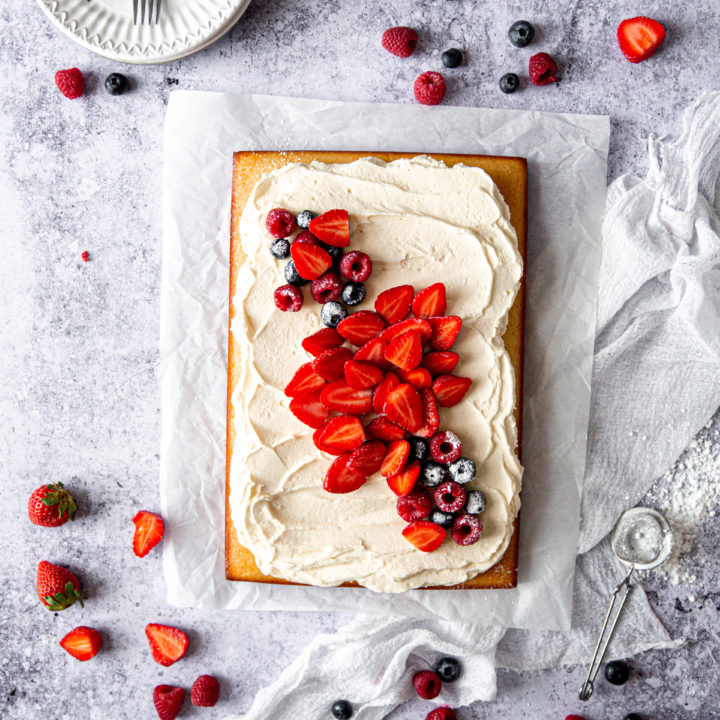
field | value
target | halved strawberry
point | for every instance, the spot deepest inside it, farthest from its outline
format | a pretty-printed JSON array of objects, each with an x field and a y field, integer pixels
[
  {"x": 395, "y": 458},
  {"x": 367, "y": 459},
  {"x": 444, "y": 331},
  {"x": 305, "y": 381},
  {"x": 639, "y": 38},
  {"x": 418, "y": 377},
  {"x": 439, "y": 362},
  {"x": 317, "y": 343},
  {"x": 430, "y": 301},
  {"x": 405, "y": 351},
  {"x": 361, "y": 375},
  {"x": 382, "y": 429},
  {"x": 373, "y": 351},
  {"x": 149, "y": 531},
  {"x": 167, "y": 643},
  {"x": 311, "y": 261},
  {"x": 425, "y": 535},
  {"x": 403, "y": 482},
  {"x": 330, "y": 364},
  {"x": 340, "y": 396},
  {"x": 83, "y": 643},
  {"x": 394, "y": 304},
  {"x": 340, "y": 478},
  {"x": 339, "y": 435},
  {"x": 361, "y": 326},
  {"x": 431, "y": 417},
  {"x": 332, "y": 227},
  {"x": 309, "y": 409},
  {"x": 417, "y": 325},
  {"x": 404, "y": 407},
  {"x": 450, "y": 389},
  {"x": 381, "y": 392}
]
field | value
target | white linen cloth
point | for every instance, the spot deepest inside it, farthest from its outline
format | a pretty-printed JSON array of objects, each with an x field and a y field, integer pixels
[{"x": 657, "y": 357}]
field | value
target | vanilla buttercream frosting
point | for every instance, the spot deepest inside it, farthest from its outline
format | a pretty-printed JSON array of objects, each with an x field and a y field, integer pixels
[{"x": 420, "y": 222}]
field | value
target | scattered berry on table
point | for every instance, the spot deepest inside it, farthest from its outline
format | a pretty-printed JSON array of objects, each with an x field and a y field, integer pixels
[
  {"x": 449, "y": 497},
  {"x": 341, "y": 710},
  {"x": 332, "y": 227},
  {"x": 332, "y": 314},
  {"x": 303, "y": 219},
  {"x": 293, "y": 276},
  {"x": 633, "y": 716},
  {"x": 167, "y": 644},
  {"x": 574, "y": 717},
  {"x": 445, "y": 447},
  {"x": 280, "y": 223},
  {"x": 356, "y": 266},
  {"x": 448, "y": 669},
  {"x": 82, "y": 643},
  {"x": 70, "y": 83},
  {"x": 617, "y": 672},
  {"x": 429, "y": 88},
  {"x": 427, "y": 684},
  {"x": 542, "y": 69},
  {"x": 452, "y": 58},
  {"x": 475, "y": 502},
  {"x": 509, "y": 83},
  {"x": 149, "y": 531},
  {"x": 288, "y": 298},
  {"x": 394, "y": 304},
  {"x": 521, "y": 33},
  {"x": 85, "y": 255},
  {"x": 426, "y": 536},
  {"x": 449, "y": 390},
  {"x": 57, "y": 587},
  {"x": 462, "y": 470},
  {"x": 116, "y": 83},
  {"x": 327, "y": 287},
  {"x": 441, "y": 713},
  {"x": 466, "y": 529},
  {"x": 205, "y": 691},
  {"x": 280, "y": 249},
  {"x": 353, "y": 293},
  {"x": 400, "y": 41},
  {"x": 168, "y": 700},
  {"x": 404, "y": 482},
  {"x": 51, "y": 505},
  {"x": 639, "y": 38},
  {"x": 419, "y": 449},
  {"x": 432, "y": 474},
  {"x": 416, "y": 505},
  {"x": 442, "y": 519}
]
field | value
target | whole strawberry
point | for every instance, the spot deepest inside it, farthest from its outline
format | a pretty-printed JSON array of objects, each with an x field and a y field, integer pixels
[
  {"x": 51, "y": 505},
  {"x": 57, "y": 587},
  {"x": 168, "y": 700},
  {"x": 400, "y": 41},
  {"x": 71, "y": 83},
  {"x": 205, "y": 691}
]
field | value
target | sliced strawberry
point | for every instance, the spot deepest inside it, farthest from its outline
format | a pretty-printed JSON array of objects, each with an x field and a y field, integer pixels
[
  {"x": 403, "y": 482},
  {"x": 430, "y": 301},
  {"x": 332, "y": 227},
  {"x": 83, "y": 643},
  {"x": 404, "y": 407},
  {"x": 418, "y": 377},
  {"x": 340, "y": 478},
  {"x": 431, "y": 417},
  {"x": 149, "y": 531},
  {"x": 639, "y": 38},
  {"x": 381, "y": 392},
  {"x": 425, "y": 535},
  {"x": 382, "y": 429},
  {"x": 309, "y": 409},
  {"x": 373, "y": 351},
  {"x": 440, "y": 362},
  {"x": 330, "y": 364},
  {"x": 167, "y": 644},
  {"x": 394, "y": 304},
  {"x": 395, "y": 458},
  {"x": 340, "y": 396},
  {"x": 450, "y": 389},
  {"x": 322, "y": 340},
  {"x": 304, "y": 382},
  {"x": 311, "y": 261},
  {"x": 405, "y": 351},
  {"x": 339, "y": 435},
  {"x": 367, "y": 459},
  {"x": 444, "y": 331},
  {"x": 417, "y": 325},
  {"x": 361, "y": 326},
  {"x": 361, "y": 375}
]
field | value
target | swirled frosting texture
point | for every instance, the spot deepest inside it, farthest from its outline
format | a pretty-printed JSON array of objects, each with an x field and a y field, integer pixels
[{"x": 421, "y": 222}]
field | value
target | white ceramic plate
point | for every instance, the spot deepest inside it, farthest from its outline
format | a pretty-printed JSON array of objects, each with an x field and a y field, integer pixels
[{"x": 106, "y": 27}]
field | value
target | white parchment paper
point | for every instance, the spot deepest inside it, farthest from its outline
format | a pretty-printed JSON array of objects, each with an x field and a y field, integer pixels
[{"x": 567, "y": 156}]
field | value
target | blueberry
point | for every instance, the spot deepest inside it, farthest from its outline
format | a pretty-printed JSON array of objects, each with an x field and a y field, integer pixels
[
  {"x": 617, "y": 672},
  {"x": 280, "y": 249},
  {"x": 509, "y": 83},
  {"x": 443, "y": 519},
  {"x": 521, "y": 33},
  {"x": 293, "y": 276},
  {"x": 342, "y": 710},
  {"x": 632, "y": 716},
  {"x": 432, "y": 474},
  {"x": 303, "y": 219},
  {"x": 419, "y": 449},
  {"x": 116, "y": 83},
  {"x": 452, "y": 58},
  {"x": 474, "y": 502},
  {"x": 448, "y": 669},
  {"x": 462, "y": 470},
  {"x": 332, "y": 313},
  {"x": 334, "y": 252},
  {"x": 353, "y": 293}
]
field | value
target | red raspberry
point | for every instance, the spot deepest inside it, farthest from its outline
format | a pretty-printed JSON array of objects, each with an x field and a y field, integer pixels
[
  {"x": 306, "y": 236},
  {"x": 400, "y": 41},
  {"x": 71, "y": 83},
  {"x": 327, "y": 287},
  {"x": 168, "y": 700},
  {"x": 85, "y": 255},
  {"x": 427, "y": 684},
  {"x": 288, "y": 298},
  {"x": 542, "y": 69},
  {"x": 441, "y": 713},
  {"x": 574, "y": 717},
  {"x": 356, "y": 266},
  {"x": 414, "y": 506},
  {"x": 449, "y": 497},
  {"x": 466, "y": 529},
  {"x": 205, "y": 691},
  {"x": 280, "y": 223},
  {"x": 445, "y": 447},
  {"x": 429, "y": 88}
]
